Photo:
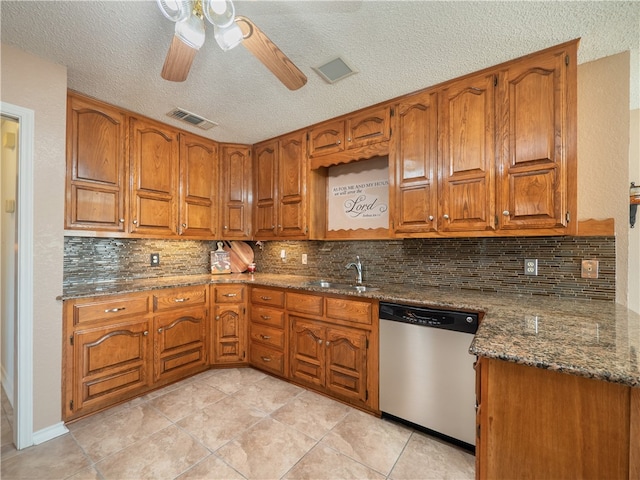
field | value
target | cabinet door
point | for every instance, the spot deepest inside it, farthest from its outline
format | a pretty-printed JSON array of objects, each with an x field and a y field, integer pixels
[
  {"x": 467, "y": 154},
  {"x": 292, "y": 186},
  {"x": 180, "y": 339},
  {"x": 229, "y": 344},
  {"x": 265, "y": 203},
  {"x": 96, "y": 160},
  {"x": 537, "y": 143},
  {"x": 307, "y": 351},
  {"x": 326, "y": 138},
  {"x": 110, "y": 364},
  {"x": 154, "y": 164},
  {"x": 236, "y": 192},
  {"x": 368, "y": 127},
  {"x": 414, "y": 163},
  {"x": 346, "y": 351},
  {"x": 198, "y": 187}
]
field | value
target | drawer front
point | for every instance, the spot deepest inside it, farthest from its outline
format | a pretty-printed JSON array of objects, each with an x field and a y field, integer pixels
[
  {"x": 349, "y": 310},
  {"x": 177, "y": 298},
  {"x": 303, "y": 303},
  {"x": 266, "y": 296},
  {"x": 229, "y": 293},
  {"x": 267, "y": 358},
  {"x": 273, "y": 337},
  {"x": 87, "y": 311},
  {"x": 268, "y": 316}
]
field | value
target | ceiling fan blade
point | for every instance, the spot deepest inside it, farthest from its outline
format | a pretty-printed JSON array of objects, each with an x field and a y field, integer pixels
[
  {"x": 270, "y": 55},
  {"x": 178, "y": 61}
]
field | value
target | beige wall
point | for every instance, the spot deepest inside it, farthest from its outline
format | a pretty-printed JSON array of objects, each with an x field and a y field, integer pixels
[
  {"x": 634, "y": 233},
  {"x": 37, "y": 84},
  {"x": 603, "y": 152}
]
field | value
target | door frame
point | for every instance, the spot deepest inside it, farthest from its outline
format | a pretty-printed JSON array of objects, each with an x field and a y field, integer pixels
[{"x": 23, "y": 342}]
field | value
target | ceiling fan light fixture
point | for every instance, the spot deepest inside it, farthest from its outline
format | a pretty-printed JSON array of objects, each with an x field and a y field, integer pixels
[
  {"x": 220, "y": 13},
  {"x": 191, "y": 31},
  {"x": 228, "y": 37},
  {"x": 176, "y": 10}
]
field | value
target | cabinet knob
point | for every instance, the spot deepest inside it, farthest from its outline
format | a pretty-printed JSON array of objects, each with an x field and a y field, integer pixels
[
  {"x": 505, "y": 213},
  {"x": 265, "y": 337},
  {"x": 184, "y": 225},
  {"x": 160, "y": 330},
  {"x": 266, "y": 359},
  {"x": 338, "y": 142},
  {"x": 217, "y": 317},
  {"x": 328, "y": 343},
  {"x": 349, "y": 139},
  {"x": 226, "y": 228},
  {"x": 122, "y": 220},
  {"x": 273, "y": 227},
  {"x": 145, "y": 333},
  {"x": 135, "y": 222},
  {"x": 320, "y": 341},
  {"x": 445, "y": 216},
  {"x": 431, "y": 218}
]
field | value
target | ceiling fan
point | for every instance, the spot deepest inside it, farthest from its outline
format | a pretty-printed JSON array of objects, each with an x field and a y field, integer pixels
[{"x": 229, "y": 30}]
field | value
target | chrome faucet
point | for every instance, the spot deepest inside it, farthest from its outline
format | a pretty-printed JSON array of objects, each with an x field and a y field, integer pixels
[{"x": 358, "y": 267}]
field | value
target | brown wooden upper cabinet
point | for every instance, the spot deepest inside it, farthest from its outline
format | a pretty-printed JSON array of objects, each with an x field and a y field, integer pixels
[
  {"x": 506, "y": 152},
  {"x": 358, "y": 130},
  {"x": 537, "y": 182},
  {"x": 96, "y": 166},
  {"x": 280, "y": 202},
  {"x": 154, "y": 161},
  {"x": 199, "y": 187},
  {"x": 235, "y": 185}
]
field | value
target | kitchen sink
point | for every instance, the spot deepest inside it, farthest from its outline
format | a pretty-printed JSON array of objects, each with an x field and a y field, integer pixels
[{"x": 340, "y": 286}]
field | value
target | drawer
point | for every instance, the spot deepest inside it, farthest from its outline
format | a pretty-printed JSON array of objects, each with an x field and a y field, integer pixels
[
  {"x": 273, "y": 337},
  {"x": 267, "y": 296},
  {"x": 304, "y": 303},
  {"x": 86, "y": 311},
  {"x": 179, "y": 297},
  {"x": 267, "y": 358},
  {"x": 268, "y": 316},
  {"x": 229, "y": 294},
  {"x": 349, "y": 310}
]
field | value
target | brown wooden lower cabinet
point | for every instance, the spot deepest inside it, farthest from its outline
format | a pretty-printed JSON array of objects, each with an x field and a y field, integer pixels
[
  {"x": 535, "y": 423},
  {"x": 327, "y": 343}
]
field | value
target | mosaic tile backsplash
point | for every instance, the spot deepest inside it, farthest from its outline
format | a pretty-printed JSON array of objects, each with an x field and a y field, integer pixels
[{"x": 481, "y": 264}]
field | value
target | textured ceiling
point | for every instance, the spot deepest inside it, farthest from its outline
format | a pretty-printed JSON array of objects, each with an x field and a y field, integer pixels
[{"x": 114, "y": 51}]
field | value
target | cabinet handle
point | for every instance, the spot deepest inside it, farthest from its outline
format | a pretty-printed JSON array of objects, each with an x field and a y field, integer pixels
[
  {"x": 431, "y": 218},
  {"x": 114, "y": 310},
  {"x": 265, "y": 317},
  {"x": 265, "y": 337},
  {"x": 445, "y": 216},
  {"x": 179, "y": 300},
  {"x": 265, "y": 298},
  {"x": 266, "y": 359},
  {"x": 135, "y": 222},
  {"x": 505, "y": 213},
  {"x": 230, "y": 295},
  {"x": 160, "y": 330},
  {"x": 122, "y": 220},
  {"x": 145, "y": 333}
]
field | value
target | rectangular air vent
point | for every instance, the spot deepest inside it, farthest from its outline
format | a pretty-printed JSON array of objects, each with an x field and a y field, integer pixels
[{"x": 191, "y": 118}]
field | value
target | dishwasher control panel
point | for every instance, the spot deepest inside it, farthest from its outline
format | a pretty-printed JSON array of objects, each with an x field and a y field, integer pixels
[{"x": 430, "y": 317}]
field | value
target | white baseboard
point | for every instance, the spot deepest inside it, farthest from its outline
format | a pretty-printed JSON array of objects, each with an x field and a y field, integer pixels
[{"x": 49, "y": 433}]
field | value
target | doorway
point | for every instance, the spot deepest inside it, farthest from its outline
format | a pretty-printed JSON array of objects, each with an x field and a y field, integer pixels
[{"x": 16, "y": 267}]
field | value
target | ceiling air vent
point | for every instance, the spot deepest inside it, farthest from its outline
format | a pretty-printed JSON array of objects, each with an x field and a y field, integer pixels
[
  {"x": 335, "y": 70},
  {"x": 191, "y": 118}
]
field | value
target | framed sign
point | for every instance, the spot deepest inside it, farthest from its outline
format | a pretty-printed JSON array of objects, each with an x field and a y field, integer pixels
[{"x": 358, "y": 195}]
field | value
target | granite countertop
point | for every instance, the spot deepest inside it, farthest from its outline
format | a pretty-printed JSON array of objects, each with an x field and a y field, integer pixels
[{"x": 589, "y": 338}]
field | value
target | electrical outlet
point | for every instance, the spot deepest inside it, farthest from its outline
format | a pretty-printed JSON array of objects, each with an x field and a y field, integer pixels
[
  {"x": 589, "y": 269},
  {"x": 155, "y": 259},
  {"x": 531, "y": 266},
  {"x": 304, "y": 258}
]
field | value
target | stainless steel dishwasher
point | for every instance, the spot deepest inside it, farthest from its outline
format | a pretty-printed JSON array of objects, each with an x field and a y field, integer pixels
[{"x": 426, "y": 372}]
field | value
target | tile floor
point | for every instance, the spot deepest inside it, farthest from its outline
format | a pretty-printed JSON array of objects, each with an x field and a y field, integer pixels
[{"x": 234, "y": 424}]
